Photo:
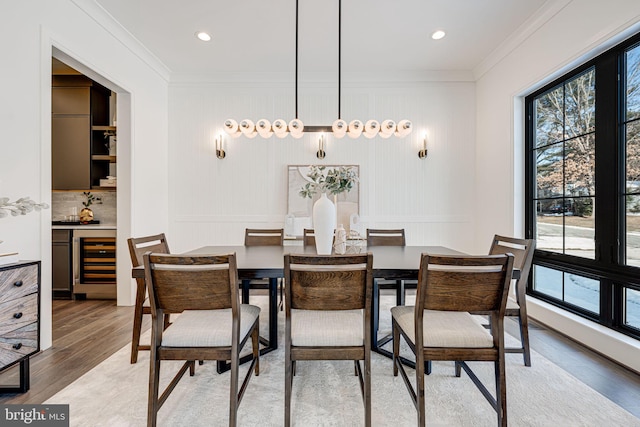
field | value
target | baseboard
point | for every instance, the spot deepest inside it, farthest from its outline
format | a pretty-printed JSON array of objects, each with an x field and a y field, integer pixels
[{"x": 614, "y": 345}]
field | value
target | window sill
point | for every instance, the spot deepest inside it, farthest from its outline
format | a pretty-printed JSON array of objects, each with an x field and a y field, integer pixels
[{"x": 614, "y": 345}]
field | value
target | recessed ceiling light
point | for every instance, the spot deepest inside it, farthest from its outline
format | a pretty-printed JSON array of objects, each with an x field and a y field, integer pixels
[
  {"x": 437, "y": 35},
  {"x": 205, "y": 37}
]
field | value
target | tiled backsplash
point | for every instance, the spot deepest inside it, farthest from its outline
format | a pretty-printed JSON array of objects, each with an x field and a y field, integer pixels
[{"x": 104, "y": 210}]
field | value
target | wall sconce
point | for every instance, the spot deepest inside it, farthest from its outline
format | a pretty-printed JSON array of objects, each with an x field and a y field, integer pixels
[
  {"x": 321, "y": 153},
  {"x": 219, "y": 150},
  {"x": 423, "y": 153}
]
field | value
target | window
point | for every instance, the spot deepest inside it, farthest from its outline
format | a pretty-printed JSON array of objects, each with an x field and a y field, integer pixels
[
  {"x": 632, "y": 138},
  {"x": 583, "y": 189},
  {"x": 565, "y": 167},
  {"x": 581, "y": 292},
  {"x": 632, "y": 305}
]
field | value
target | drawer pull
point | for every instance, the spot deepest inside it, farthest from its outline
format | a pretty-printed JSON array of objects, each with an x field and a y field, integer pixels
[
  {"x": 18, "y": 283},
  {"x": 17, "y": 315},
  {"x": 17, "y": 346}
]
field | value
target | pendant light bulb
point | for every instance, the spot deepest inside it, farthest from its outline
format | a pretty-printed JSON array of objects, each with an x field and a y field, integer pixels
[
  {"x": 339, "y": 128},
  {"x": 355, "y": 129},
  {"x": 263, "y": 126}
]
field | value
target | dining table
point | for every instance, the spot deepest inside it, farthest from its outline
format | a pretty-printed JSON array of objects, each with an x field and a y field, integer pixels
[{"x": 267, "y": 262}]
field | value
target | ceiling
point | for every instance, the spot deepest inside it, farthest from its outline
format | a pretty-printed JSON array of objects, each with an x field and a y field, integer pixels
[{"x": 381, "y": 35}]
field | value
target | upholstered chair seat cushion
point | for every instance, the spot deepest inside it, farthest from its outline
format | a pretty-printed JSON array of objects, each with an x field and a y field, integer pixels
[
  {"x": 327, "y": 328},
  {"x": 444, "y": 328},
  {"x": 208, "y": 328}
]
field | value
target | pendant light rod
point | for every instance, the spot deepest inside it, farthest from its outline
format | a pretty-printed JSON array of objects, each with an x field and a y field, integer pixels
[
  {"x": 339, "y": 128},
  {"x": 296, "y": 59},
  {"x": 339, "y": 55},
  {"x": 339, "y": 58}
]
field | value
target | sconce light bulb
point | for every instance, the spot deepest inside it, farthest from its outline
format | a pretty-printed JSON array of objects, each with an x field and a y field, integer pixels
[
  {"x": 321, "y": 153},
  {"x": 423, "y": 153},
  {"x": 219, "y": 148}
]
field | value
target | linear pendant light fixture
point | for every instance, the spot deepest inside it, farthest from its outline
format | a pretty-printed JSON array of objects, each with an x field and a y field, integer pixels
[{"x": 339, "y": 128}]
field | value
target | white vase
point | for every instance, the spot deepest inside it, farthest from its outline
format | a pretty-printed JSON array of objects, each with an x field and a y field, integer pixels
[{"x": 324, "y": 222}]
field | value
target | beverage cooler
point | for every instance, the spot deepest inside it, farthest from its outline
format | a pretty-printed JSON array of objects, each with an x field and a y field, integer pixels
[{"x": 95, "y": 266}]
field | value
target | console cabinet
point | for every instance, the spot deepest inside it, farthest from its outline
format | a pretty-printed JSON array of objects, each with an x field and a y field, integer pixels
[{"x": 19, "y": 319}]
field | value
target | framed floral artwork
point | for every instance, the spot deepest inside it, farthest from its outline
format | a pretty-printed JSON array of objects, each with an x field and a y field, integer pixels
[{"x": 306, "y": 184}]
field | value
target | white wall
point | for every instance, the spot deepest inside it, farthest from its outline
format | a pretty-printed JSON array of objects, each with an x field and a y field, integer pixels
[
  {"x": 28, "y": 31},
  {"x": 568, "y": 34},
  {"x": 212, "y": 201}
]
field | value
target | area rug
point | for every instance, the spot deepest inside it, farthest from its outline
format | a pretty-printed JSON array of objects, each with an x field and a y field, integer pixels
[{"x": 114, "y": 394}]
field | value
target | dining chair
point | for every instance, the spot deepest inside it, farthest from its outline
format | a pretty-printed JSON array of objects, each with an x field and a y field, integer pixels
[
  {"x": 387, "y": 237},
  {"x": 212, "y": 325},
  {"x": 328, "y": 315},
  {"x": 522, "y": 250},
  {"x": 308, "y": 237},
  {"x": 137, "y": 248},
  {"x": 262, "y": 237},
  {"x": 440, "y": 326}
]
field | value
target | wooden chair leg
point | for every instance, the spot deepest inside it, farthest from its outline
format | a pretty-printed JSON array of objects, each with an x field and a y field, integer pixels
[
  {"x": 420, "y": 390},
  {"x": 501, "y": 391},
  {"x": 288, "y": 384},
  {"x": 524, "y": 337},
  {"x": 255, "y": 343},
  {"x": 233, "y": 390},
  {"x": 154, "y": 383},
  {"x": 137, "y": 322},
  {"x": 367, "y": 388}
]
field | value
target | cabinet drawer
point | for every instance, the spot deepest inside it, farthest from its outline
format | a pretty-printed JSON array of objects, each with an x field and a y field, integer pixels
[
  {"x": 18, "y": 282},
  {"x": 17, "y": 313},
  {"x": 18, "y": 343}
]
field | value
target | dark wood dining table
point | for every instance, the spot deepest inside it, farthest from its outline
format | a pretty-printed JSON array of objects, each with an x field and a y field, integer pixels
[{"x": 267, "y": 262}]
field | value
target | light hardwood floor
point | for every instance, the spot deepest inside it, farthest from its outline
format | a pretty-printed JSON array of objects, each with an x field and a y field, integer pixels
[{"x": 87, "y": 332}]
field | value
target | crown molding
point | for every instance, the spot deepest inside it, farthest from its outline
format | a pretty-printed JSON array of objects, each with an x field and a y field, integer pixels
[
  {"x": 522, "y": 33},
  {"x": 105, "y": 20},
  {"x": 373, "y": 78}
]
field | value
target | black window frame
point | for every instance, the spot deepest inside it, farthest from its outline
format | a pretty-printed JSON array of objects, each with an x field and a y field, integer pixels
[{"x": 610, "y": 236}]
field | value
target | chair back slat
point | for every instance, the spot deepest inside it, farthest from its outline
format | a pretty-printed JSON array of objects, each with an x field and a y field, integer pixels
[
  {"x": 468, "y": 283},
  {"x": 138, "y": 246},
  {"x": 308, "y": 237},
  {"x": 263, "y": 237},
  {"x": 178, "y": 283},
  {"x": 385, "y": 237},
  {"x": 522, "y": 250},
  {"x": 339, "y": 282}
]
